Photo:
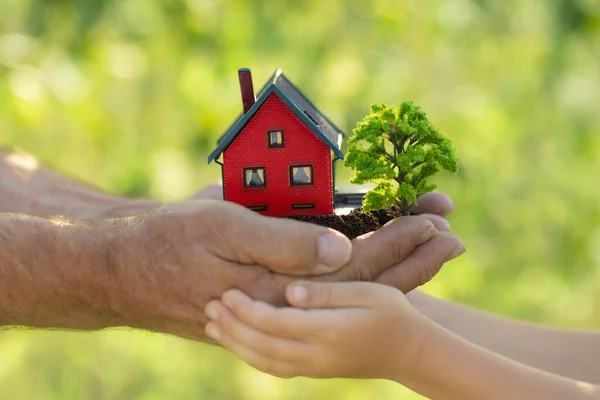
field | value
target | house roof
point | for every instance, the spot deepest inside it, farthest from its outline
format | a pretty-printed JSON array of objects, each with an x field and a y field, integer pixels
[{"x": 316, "y": 121}]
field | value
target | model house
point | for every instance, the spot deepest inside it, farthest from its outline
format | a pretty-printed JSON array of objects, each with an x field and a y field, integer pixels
[{"x": 278, "y": 157}]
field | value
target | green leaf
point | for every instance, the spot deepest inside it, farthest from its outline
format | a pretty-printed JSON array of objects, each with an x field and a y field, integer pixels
[
  {"x": 406, "y": 191},
  {"x": 382, "y": 195}
]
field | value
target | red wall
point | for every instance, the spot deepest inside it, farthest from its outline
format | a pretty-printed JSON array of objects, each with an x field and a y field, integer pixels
[{"x": 301, "y": 146}]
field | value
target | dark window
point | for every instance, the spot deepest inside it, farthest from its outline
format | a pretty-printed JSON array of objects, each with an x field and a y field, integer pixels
[
  {"x": 257, "y": 208},
  {"x": 301, "y": 175},
  {"x": 275, "y": 138},
  {"x": 303, "y": 206},
  {"x": 254, "y": 178}
]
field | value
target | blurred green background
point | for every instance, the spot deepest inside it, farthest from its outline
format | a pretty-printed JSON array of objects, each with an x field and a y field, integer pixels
[{"x": 130, "y": 95}]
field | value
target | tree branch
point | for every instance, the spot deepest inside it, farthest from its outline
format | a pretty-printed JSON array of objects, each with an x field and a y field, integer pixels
[
  {"x": 388, "y": 156},
  {"x": 417, "y": 164},
  {"x": 414, "y": 140}
]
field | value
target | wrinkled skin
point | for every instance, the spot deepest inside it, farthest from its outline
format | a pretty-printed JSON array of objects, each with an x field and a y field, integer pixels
[{"x": 194, "y": 251}]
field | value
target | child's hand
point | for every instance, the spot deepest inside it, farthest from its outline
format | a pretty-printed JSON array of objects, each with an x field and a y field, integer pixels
[{"x": 355, "y": 330}]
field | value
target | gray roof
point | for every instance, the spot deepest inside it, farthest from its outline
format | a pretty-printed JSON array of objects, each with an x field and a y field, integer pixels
[{"x": 304, "y": 109}]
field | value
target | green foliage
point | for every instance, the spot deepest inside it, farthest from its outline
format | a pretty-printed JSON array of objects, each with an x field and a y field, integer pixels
[{"x": 397, "y": 148}]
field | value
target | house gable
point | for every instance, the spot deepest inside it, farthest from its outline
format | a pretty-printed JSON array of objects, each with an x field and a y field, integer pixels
[
  {"x": 302, "y": 148},
  {"x": 330, "y": 130},
  {"x": 293, "y": 99}
]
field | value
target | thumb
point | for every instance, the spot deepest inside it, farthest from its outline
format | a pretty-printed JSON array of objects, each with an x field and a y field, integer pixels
[
  {"x": 331, "y": 294},
  {"x": 286, "y": 246}
]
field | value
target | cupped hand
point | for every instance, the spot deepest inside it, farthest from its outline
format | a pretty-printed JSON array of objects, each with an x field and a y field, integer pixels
[
  {"x": 168, "y": 264},
  {"x": 351, "y": 330}
]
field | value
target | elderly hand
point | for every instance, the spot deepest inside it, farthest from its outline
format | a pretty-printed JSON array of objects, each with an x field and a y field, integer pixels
[{"x": 168, "y": 264}]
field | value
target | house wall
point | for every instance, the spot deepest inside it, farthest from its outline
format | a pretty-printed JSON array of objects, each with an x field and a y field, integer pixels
[{"x": 301, "y": 147}]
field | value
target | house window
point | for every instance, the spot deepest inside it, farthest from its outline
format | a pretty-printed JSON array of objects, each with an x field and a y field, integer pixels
[
  {"x": 275, "y": 138},
  {"x": 257, "y": 208},
  {"x": 254, "y": 178},
  {"x": 303, "y": 206},
  {"x": 301, "y": 175}
]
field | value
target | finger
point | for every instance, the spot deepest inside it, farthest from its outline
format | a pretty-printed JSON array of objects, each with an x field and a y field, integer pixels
[
  {"x": 267, "y": 364},
  {"x": 375, "y": 252},
  {"x": 269, "y": 345},
  {"x": 283, "y": 245},
  {"x": 333, "y": 295},
  {"x": 424, "y": 263},
  {"x": 440, "y": 223},
  {"x": 434, "y": 203},
  {"x": 286, "y": 322}
]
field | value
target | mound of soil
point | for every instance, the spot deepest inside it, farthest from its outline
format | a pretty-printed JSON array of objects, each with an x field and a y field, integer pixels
[{"x": 354, "y": 224}]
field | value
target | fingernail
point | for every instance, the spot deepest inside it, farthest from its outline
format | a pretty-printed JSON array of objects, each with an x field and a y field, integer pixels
[
  {"x": 334, "y": 250},
  {"x": 214, "y": 332},
  {"x": 212, "y": 314},
  {"x": 455, "y": 252},
  {"x": 299, "y": 293},
  {"x": 440, "y": 223}
]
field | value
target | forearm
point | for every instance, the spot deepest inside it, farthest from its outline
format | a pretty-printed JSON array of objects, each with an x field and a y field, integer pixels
[
  {"x": 453, "y": 368},
  {"x": 567, "y": 353},
  {"x": 26, "y": 187},
  {"x": 55, "y": 274}
]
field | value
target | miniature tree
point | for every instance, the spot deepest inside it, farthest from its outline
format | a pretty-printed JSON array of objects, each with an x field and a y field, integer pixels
[{"x": 396, "y": 148}]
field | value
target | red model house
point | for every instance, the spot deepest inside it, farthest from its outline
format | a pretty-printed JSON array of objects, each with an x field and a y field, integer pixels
[{"x": 279, "y": 155}]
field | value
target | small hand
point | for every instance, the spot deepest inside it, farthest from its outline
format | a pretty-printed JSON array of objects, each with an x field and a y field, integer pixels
[{"x": 353, "y": 330}]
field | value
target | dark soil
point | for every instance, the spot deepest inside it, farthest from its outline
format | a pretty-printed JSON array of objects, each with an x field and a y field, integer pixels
[{"x": 354, "y": 224}]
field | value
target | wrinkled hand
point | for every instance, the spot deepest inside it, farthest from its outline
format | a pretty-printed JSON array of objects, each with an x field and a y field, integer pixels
[
  {"x": 350, "y": 330},
  {"x": 172, "y": 261}
]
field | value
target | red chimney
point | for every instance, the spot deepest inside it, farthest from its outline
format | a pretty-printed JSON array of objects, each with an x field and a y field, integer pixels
[{"x": 246, "y": 88}]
